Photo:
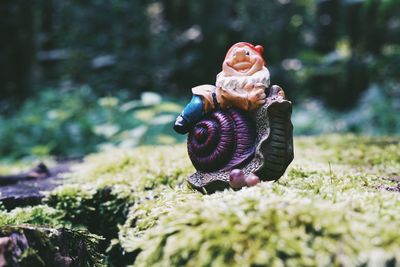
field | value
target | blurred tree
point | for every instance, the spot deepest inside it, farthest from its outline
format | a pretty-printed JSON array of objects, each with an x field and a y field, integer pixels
[
  {"x": 16, "y": 50},
  {"x": 327, "y": 21},
  {"x": 367, "y": 28},
  {"x": 332, "y": 49}
]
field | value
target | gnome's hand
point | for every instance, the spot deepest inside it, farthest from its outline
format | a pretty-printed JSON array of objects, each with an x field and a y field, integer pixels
[{"x": 257, "y": 96}]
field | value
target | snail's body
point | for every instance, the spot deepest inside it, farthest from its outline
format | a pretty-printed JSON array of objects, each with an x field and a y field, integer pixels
[{"x": 263, "y": 144}]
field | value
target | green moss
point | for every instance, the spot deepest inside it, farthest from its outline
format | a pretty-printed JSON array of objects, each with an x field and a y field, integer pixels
[
  {"x": 330, "y": 208},
  {"x": 324, "y": 211},
  {"x": 141, "y": 168},
  {"x": 7, "y": 168},
  {"x": 380, "y": 155},
  {"x": 100, "y": 210},
  {"x": 270, "y": 224},
  {"x": 101, "y": 190},
  {"x": 37, "y": 215}
]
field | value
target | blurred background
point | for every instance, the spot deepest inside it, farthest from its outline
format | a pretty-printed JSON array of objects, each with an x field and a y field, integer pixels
[{"x": 78, "y": 76}]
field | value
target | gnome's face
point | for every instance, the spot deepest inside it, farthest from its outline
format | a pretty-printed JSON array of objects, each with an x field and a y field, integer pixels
[{"x": 241, "y": 60}]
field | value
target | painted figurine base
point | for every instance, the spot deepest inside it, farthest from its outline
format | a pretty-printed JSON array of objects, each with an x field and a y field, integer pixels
[{"x": 265, "y": 148}]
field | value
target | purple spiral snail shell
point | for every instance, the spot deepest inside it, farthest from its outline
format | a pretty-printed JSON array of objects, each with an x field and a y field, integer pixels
[
  {"x": 259, "y": 142},
  {"x": 223, "y": 140}
]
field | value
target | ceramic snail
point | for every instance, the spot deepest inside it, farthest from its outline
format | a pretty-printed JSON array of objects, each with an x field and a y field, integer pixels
[{"x": 239, "y": 131}]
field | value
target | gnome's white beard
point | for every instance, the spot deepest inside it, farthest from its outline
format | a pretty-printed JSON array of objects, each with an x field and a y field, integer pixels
[{"x": 237, "y": 83}]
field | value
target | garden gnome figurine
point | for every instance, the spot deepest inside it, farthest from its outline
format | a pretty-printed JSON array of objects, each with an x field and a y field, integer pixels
[
  {"x": 241, "y": 84},
  {"x": 238, "y": 135}
]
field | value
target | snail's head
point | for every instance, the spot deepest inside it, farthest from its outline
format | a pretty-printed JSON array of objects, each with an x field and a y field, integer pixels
[{"x": 243, "y": 59}]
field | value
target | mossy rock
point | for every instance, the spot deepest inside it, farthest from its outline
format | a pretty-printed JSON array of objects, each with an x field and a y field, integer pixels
[
  {"x": 337, "y": 205},
  {"x": 100, "y": 191},
  {"x": 326, "y": 211}
]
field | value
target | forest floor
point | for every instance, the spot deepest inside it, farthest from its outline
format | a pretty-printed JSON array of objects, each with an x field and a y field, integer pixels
[{"x": 338, "y": 204}]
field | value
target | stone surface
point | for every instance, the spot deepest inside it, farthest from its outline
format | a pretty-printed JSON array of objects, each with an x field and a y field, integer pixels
[{"x": 27, "y": 188}]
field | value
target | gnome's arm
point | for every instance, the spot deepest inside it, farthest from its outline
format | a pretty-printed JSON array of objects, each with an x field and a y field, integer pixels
[
  {"x": 229, "y": 98},
  {"x": 248, "y": 99}
]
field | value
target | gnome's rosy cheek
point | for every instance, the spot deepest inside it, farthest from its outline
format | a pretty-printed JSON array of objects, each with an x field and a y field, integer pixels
[{"x": 257, "y": 59}]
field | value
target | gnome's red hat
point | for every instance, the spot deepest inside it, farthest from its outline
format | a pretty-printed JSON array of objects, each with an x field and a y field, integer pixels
[{"x": 258, "y": 49}]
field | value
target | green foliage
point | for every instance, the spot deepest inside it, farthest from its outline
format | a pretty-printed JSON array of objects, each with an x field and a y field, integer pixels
[
  {"x": 78, "y": 123},
  {"x": 193, "y": 37},
  {"x": 327, "y": 55},
  {"x": 82, "y": 123},
  {"x": 165, "y": 45},
  {"x": 170, "y": 46},
  {"x": 375, "y": 114},
  {"x": 377, "y": 111}
]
